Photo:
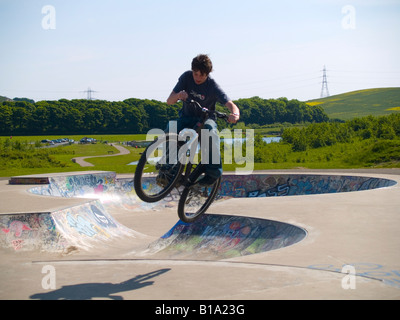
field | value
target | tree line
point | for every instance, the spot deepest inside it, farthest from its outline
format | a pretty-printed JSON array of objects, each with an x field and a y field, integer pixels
[
  {"x": 268, "y": 111},
  {"x": 82, "y": 116},
  {"x": 318, "y": 135}
]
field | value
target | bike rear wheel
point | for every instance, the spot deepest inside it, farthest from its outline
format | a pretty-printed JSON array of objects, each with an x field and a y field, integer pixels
[
  {"x": 155, "y": 174},
  {"x": 195, "y": 200}
]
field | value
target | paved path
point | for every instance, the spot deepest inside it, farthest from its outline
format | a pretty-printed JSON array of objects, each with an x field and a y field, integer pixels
[{"x": 83, "y": 163}]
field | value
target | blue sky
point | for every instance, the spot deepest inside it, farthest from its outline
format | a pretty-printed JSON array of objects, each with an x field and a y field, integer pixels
[{"x": 270, "y": 49}]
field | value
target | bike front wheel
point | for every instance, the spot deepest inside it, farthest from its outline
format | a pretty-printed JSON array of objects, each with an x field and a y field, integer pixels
[
  {"x": 156, "y": 174},
  {"x": 195, "y": 200}
]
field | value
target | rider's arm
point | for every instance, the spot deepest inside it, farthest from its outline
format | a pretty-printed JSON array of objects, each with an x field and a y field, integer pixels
[
  {"x": 235, "y": 112},
  {"x": 174, "y": 97}
]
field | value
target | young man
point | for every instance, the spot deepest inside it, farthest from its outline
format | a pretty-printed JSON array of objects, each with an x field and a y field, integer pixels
[{"x": 199, "y": 86}]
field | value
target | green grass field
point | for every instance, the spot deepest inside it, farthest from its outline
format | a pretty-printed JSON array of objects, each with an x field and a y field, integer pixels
[
  {"x": 361, "y": 154},
  {"x": 356, "y": 104},
  {"x": 31, "y": 160}
]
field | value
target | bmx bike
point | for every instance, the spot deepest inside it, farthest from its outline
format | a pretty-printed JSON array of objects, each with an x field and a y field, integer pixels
[{"x": 170, "y": 159}]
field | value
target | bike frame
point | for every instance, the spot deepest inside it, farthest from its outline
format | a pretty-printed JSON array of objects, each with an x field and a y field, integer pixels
[{"x": 191, "y": 145}]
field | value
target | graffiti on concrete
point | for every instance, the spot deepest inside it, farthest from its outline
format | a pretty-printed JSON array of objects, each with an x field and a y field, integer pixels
[
  {"x": 78, "y": 226},
  {"x": 113, "y": 193},
  {"x": 17, "y": 227},
  {"x": 78, "y": 185},
  {"x": 88, "y": 223},
  {"x": 220, "y": 236},
  {"x": 30, "y": 232},
  {"x": 274, "y": 185}
]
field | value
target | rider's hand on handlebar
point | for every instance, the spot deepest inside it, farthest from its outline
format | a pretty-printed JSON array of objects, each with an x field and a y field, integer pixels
[
  {"x": 183, "y": 95},
  {"x": 233, "y": 118}
]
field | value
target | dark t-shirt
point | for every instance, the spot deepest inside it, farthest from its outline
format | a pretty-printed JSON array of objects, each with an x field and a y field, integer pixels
[{"x": 207, "y": 93}]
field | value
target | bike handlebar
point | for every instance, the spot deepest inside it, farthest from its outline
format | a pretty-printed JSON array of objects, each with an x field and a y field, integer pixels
[{"x": 203, "y": 109}]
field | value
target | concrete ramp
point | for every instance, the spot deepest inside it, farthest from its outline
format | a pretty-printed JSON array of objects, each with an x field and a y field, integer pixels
[
  {"x": 102, "y": 185},
  {"x": 83, "y": 226},
  {"x": 222, "y": 236}
]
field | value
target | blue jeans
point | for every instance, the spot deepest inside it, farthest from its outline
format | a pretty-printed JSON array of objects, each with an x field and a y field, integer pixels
[{"x": 213, "y": 170}]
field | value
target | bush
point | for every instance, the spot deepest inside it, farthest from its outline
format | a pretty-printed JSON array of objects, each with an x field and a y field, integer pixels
[{"x": 17, "y": 154}]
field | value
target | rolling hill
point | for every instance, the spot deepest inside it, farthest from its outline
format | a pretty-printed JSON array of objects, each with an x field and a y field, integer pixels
[
  {"x": 4, "y": 99},
  {"x": 360, "y": 103}
]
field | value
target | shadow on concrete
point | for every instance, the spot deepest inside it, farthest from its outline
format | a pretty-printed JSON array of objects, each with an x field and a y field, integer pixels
[{"x": 87, "y": 291}]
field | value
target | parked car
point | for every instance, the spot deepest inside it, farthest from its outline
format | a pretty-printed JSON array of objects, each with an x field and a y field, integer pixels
[{"x": 88, "y": 140}]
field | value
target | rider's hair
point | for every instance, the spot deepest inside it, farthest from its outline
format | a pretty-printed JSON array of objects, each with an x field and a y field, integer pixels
[{"x": 202, "y": 63}]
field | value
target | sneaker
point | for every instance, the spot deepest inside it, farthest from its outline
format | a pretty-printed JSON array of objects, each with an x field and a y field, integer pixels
[{"x": 207, "y": 181}]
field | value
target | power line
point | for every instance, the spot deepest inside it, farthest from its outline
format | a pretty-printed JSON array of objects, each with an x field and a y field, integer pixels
[{"x": 365, "y": 71}]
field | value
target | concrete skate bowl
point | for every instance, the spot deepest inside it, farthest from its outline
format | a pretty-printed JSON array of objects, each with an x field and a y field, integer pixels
[
  {"x": 211, "y": 237},
  {"x": 223, "y": 236}
]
